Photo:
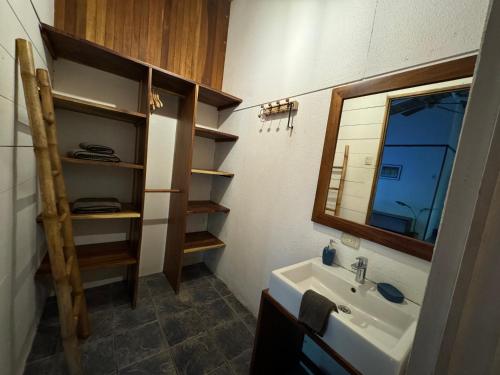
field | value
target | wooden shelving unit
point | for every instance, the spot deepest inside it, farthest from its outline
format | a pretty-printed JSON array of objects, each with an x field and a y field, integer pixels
[
  {"x": 91, "y": 108},
  {"x": 216, "y": 135},
  {"x": 212, "y": 172},
  {"x": 66, "y": 159},
  {"x": 99, "y": 255},
  {"x": 63, "y": 45},
  {"x": 205, "y": 207},
  {"x": 201, "y": 241}
]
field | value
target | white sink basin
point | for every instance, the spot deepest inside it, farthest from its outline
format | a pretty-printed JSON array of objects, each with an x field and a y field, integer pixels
[{"x": 375, "y": 338}]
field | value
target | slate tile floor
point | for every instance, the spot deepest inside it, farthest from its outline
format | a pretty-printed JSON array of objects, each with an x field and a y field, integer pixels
[{"x": 202, "y": 330}]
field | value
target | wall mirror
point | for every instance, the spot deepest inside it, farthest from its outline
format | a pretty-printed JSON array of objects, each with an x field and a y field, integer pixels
[{"x": 388, "y": 154}]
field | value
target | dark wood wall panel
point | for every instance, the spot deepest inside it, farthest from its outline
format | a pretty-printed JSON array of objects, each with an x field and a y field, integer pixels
[{"x": 187, "y": 37}]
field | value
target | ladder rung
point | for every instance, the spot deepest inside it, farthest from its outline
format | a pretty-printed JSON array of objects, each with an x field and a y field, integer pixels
[
  {"x": 56, "y": 172},
  {"x": 69, "y": 265},
  {"x": 337, "y": 167},
  {"x": 76, "y": 305},
  {"x": 63, "y": 217},
  {"x": 333, "y": 188}
]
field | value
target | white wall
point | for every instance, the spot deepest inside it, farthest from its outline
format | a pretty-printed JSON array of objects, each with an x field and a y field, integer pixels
[
  {"x": 280, "y": 49},
  {"x": 20, "y": 237}
]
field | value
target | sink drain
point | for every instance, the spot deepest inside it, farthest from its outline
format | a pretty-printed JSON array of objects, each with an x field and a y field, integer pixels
[{"x": 344, "y": 309}]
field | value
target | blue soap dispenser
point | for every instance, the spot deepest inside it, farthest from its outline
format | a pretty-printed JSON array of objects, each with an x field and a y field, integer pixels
[{"x": 329, "y": 254}]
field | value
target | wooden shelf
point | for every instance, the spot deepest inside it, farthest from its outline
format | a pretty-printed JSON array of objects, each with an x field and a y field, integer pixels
[
  {"x": 212, "y": 172},
  {"x": 217, "y": 98},
  {"x": 62, "y": 44},
  {"x": 67, "y": 159},
  {"x": 203, "y": 207},
  {"x": 162, "y": 191},
  {"x": 99, "y": 255},
  {"x": 201, "y": 241},
  {"x": 216, "y": 135},
  {"x": 101, "y": 110},
  {"x": 127, "y": 212}
]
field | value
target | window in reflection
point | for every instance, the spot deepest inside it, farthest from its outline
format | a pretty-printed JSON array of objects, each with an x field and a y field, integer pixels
[{"x": 419, "y": 148}]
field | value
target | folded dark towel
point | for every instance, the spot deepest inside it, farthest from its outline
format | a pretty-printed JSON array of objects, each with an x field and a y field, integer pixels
[
  {"x": 87, "y": 155},
  {"x": 100, "y": 149},
  {"x": 96, "y": 205},
  {"x": 315, "y": 311}
]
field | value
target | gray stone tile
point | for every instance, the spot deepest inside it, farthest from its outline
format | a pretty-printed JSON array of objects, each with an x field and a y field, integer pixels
[
  {"x": 215, "y": 312},
  {"x": 236, "y": 305},
  {"x": 221, "y": 288},
  {"x": 250, "y": 322},
  {"x": 197, "y": 356},
  {"x": 222, "y": 370},
  {"x": 201, "y": 293},
  {"x": 160, "y": 364},
  {"x": 101, "y": 324},
  {"x": 194, "y": 271},
  {"x": 45, "y": 343},
  {"x": 158, "y": 284},
  {"x": 120, "y": 293},
  {"x": 98, "y": 357},
  {"x": 241, "y": 363},
  {"x": 127, "y": 318},
  {"x": 232, "y": 338},
  {"x": 172, "y": 303},
  {"x": 181, "y": 326},
  {"x": 133, "y": 345},
  {"x": 41, "y": 367},
  {"x": 99, "y": 298}
]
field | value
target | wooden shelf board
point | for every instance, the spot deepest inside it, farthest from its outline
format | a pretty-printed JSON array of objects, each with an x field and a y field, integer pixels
[
  {"x": 101, "y": 110},
  {"x": 162, "y": 191},
  {"x": 127, "y": 212},
  {"x": 212, "y": 172},
  {"x": 67, "y": 159},
  {"x": 99, "y": 255},
  {"x": 67, "y": 46},
  {"x": 201, "y": 207},
  {"x": 214, "y": 134},
  {"x": 201, "y": 241},
  {"x": 217, "y": 98}
]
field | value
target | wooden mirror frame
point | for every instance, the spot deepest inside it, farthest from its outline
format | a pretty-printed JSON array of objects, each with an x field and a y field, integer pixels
[{"x": 447, "y": 71}]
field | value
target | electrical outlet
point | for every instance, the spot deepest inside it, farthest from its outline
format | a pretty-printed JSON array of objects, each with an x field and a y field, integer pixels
[
  {"x": 350, "y": 240},
  {"x": 368, "y": 160}
]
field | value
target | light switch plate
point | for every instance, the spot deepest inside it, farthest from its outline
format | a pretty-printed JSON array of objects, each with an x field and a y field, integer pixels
[{"x": 350, "y": 240}]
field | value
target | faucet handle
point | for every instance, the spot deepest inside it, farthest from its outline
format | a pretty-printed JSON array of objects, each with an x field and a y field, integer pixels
[{"x": 362, "y": 262}]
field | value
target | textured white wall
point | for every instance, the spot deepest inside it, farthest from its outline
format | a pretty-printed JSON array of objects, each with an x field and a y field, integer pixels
[
  {"x": 280, "y": 49},
  {"x": 20, "y": 298}
]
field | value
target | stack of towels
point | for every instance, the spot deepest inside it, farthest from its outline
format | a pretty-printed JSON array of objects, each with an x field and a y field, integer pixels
[
  {"x": 90, "y": 151},
  {"x": 96, "y": 205}
]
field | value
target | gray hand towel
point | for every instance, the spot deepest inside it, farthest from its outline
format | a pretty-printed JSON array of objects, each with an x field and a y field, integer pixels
[
  {"x": 100, "y": 149},
  {"x": 87, "y": 155},
  {"x": 315, "y": 311},
  {"x": 96, "y": 205}
]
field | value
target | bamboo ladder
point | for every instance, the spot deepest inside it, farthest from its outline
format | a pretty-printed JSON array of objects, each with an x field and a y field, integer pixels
[
  {"x": 343, "y": 171},
  {"x": 55, "y": 208}
]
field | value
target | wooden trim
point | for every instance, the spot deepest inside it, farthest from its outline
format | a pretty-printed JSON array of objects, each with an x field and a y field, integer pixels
[
  {"x": 273, "y": 314},
  {"x": 212, "y": 172},
  {"x": 447, "y": 71}
]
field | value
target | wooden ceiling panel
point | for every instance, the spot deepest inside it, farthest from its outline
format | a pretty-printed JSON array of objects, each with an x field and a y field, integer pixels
[{"x": 186, "y": 37}]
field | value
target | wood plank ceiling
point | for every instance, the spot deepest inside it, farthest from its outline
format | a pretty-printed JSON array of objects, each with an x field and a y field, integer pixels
[{"x": 187, "y": 37}]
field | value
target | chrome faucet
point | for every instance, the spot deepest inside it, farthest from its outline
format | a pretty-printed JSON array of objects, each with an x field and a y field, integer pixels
[{"x": 360, "y": 268}]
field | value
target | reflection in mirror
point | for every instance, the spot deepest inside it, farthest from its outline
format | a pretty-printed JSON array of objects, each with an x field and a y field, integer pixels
[
  {"x": 415, "y": 166},
  {"x": 394, "y": 173}
]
